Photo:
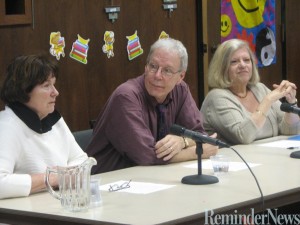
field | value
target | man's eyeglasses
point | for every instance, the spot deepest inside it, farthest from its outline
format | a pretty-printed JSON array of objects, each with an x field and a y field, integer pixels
[
  {"x": 166, "y": 72},
  {"x": 117, "y": 187}
]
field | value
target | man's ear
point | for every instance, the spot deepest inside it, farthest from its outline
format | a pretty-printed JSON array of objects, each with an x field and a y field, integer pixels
[{"x": 182, "y": 76}]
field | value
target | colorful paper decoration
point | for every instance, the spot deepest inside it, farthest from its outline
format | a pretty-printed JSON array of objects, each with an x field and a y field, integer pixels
[
  {"x": 79, "y": 49},
  {"x": 254, "y": 22},
  {"x": 134, "y": 48},
  {"x": 109, "y": 39},
  {"x": 163, "y": 35},
  {"x": 57, "y": 43}
]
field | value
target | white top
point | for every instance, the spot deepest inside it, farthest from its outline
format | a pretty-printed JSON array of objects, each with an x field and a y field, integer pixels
[{"x": 24, "y": 152}]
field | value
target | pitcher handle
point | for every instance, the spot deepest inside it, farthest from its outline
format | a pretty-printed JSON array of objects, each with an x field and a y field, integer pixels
[{"x": 49, "y": 187}]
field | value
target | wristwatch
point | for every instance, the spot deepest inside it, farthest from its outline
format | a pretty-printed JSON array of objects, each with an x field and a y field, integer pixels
[{"x": 186, "y": 143}]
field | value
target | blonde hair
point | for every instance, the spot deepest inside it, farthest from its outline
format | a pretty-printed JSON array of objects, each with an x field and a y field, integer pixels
[{"x": 218, "y": 76}]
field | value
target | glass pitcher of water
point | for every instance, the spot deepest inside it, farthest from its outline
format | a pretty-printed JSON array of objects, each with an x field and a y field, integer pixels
[{"x": 73, "y": 185}]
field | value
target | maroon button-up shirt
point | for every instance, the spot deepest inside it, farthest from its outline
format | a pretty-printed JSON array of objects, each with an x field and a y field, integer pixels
[{"x": 126, "y": 129}]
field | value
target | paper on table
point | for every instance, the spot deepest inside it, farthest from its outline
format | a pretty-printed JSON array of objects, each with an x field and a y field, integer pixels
[
  {"x": 282, "y": 144},
  {"x": 137, "y": 187},
  {"x": 233, "y": 166}
]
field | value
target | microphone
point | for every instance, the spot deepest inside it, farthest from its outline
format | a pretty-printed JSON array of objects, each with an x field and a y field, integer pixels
[
  {"x": 196, "y": 136},
  {"x": 199, "y": 139},
  {"x": 286, "y": 107}
]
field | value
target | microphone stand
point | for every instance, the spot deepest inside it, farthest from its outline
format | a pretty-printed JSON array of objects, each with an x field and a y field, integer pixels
[
  {"x": 199, "y": 178},
  {"x": 295, "y": 155}
]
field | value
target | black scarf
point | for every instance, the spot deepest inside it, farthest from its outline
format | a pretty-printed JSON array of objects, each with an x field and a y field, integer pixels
[{"x": 32, "y": 120}]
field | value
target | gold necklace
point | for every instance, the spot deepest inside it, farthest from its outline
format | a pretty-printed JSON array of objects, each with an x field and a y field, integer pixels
[{"x": 239, "y": 95}]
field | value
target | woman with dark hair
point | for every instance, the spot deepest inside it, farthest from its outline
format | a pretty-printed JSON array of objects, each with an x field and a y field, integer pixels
[{"x": 33, "y": 135}]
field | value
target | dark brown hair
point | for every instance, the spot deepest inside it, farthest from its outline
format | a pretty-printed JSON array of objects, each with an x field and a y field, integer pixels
[{"x": 23, "y": 74}]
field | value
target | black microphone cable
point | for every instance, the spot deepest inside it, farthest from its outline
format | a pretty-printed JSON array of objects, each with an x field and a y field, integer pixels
[
  {"x": 181, "y": 131},
  {"x": 257, "y": 183}
]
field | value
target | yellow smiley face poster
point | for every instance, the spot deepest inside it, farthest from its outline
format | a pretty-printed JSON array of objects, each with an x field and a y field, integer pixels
[{"x": 254, "y": 22}]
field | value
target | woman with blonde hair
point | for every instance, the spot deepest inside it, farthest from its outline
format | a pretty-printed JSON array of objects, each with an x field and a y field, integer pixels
[{"x": 239, "y": 107}]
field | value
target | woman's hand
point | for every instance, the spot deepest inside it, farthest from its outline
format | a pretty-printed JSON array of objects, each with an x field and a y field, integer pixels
[
  {"x": 285, "y": 89},
  {"x": 38, "y": 182}
]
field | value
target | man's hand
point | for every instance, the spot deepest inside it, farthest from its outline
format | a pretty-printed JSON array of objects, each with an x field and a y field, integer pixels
[{"x": 169, "y": 146}]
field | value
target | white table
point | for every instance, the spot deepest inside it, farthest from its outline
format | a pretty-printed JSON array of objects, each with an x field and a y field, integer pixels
[{"x": 278, "y": 175}]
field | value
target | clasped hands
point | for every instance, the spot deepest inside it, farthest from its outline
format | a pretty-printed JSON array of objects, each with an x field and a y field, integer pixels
[
  {"x": 171, "y": 145},
  {"x": 284, "y": 89}
]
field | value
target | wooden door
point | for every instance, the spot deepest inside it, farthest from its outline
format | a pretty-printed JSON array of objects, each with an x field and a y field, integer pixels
[{"x": 292, "y": 31}]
